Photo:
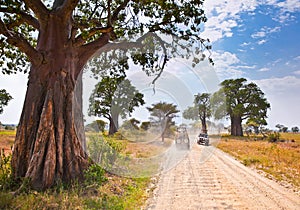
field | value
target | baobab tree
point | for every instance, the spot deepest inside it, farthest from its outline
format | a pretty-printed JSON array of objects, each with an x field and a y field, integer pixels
[
  {"x": 57, "y": 38},
  {"x": 240, "y": 101}
]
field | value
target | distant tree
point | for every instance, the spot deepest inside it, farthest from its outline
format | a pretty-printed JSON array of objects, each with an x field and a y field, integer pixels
[
  {"x": 114, "y": 97},
  {"x": 4, "y": 99},
  {"x": 145, "y": 125},
  {"x": 240, "y": 101},
  {"x": 285, "y": 129},
  {"x": 162, "y": 114},
  {"x": 201, "y": 110},
  {"x": 131, "y": 124},
  {"x": 97, "y": 125},
  {"x": 281, "y": 128},
  {"x": 295, "y": 129},
  {"x": 252, "y": 124}
]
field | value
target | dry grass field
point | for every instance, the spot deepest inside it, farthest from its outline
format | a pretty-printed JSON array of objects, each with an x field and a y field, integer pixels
[
  {"x": 7, "y": 138},
  {"x": 279, "y": 161}
]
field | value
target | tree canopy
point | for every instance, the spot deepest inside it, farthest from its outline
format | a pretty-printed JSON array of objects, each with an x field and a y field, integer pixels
[
  {"x": 162, "y": 115},
  {"x": 89, "y": 25},
  {"x": 240, "y": 101},
  {"x": 114, "y": 97},
  {"x": 201, "y": 110},
  {"x": 5, "y": 97}
]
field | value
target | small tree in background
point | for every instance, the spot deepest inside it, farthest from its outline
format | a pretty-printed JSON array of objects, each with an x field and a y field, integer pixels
[
  {"x": 112, "y": 97},
  {"x": 5, "y": 97},
  {"x": 281, "y": 128},
  {"x": 295, "y": 129},
  {"x": 162, "y": 115},
  {"x": 201, "y": 110},
  {"x": 131, "y": 124},
  {"x": 97, "y": 125},
  {"x": 145, "y": 125}
]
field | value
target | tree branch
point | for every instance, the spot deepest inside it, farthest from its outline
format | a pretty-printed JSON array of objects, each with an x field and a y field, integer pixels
[
  {"x": 24, "y": 18},
  {"x": 38, "y": 8},
  {"x": 68, "y": 6},
  {"x": 114, "y": 16},
  {"x": 80, "y": 40},
  {"x": 17, "y": 40}
]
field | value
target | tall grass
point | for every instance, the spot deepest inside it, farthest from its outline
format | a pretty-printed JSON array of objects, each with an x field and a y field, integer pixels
[
  {"x": 100, "y": 190},
  {"x": 279, "y": 160}
]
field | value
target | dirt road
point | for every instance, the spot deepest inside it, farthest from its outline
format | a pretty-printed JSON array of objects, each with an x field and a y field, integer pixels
[{"x": 207, "y": 178}]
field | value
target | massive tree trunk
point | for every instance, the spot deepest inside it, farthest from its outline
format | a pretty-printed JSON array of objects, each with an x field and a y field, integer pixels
[
  {"x": 236, "y": 125},
  {"x": 50, "y": 142}
]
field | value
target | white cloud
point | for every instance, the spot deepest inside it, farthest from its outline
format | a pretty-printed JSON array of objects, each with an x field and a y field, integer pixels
[
  {"x": 297, "y": 58},
  {"x": 264, "y": 31},
  {"x": 297, "y": 72},
  {"x": 282, "y": 94},
  {"x": 227, "y": 65},
  {"x": 223, "y": 16},
  {"x": 289, "y": 5},
  {"x": 264, "y": 69},
  {"x": 260, "y": 42},
  {"x": 245, "y": 44},
  {"x": 259, "y": 34}
]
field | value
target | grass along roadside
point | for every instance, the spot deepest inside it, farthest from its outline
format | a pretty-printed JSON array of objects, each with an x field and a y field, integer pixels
[
  {"x": 279, "y": 161},
  {"x": 103, "y": 191}
]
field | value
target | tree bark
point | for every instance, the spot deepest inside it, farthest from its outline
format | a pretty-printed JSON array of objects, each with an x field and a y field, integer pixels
[
  {"x": 203, "y": 123},
  {"x": 236, "y": 125},
  {"x": 112, "y": 126},
  {"x": 50, "y": 142}
]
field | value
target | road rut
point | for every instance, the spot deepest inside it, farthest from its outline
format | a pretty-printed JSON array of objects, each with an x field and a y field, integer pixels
[{"x": 207, "y": 178}]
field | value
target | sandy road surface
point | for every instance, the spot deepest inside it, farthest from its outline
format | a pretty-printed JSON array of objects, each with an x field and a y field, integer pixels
[{"x": 207, "y": 178}]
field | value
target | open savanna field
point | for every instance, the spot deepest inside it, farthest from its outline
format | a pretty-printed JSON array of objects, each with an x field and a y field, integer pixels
[{"x": 278, "y": 161}]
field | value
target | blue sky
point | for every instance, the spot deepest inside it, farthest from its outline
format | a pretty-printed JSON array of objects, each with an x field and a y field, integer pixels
[{"x": 258, "y": 40}]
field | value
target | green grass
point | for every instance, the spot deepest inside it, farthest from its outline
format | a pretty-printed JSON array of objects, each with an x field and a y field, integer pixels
[
  {"x": 100, "y": 191},
  {"x": 279, "y": 160}
]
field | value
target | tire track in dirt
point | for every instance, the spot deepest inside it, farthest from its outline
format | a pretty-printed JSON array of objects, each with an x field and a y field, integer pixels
[{"x": 210, "y": 179}]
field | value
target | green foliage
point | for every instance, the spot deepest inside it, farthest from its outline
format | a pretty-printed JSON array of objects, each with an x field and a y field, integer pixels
[
  {"x": 238, "y": 99},
  {"x": 145, "y": 125},
  {"x": 91, "y": 19},
  {"x": 273, "y": 137},
  {"x": 94, "y": 175},
  {"x": 114, "y": 96},
  {"x": 97, "y": 125},
  {"x": 104, "y": 151},
  {"x": 6, "y": 180},
  {"x": 281, "y": 128},
  {"x": 131, "y": 124},
  {"x": 295, "y": 129},
  {"x": 4, "y": 99},
  {"x": 162, "y": 115},
  {"x": 201, "y": 109},
  {"x": 191, "y": 113}
]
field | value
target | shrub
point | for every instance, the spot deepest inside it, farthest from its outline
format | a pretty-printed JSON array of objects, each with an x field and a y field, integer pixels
[
  {"x": 104, "y": 151},
  {"x": 6, "y": 180},
  {"x": 94, "y": 175},
  {"x": 273, "y": 137}
]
